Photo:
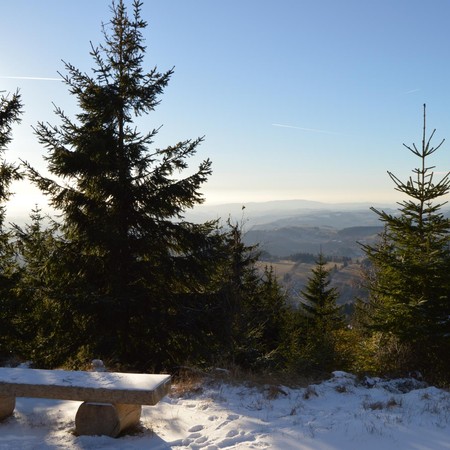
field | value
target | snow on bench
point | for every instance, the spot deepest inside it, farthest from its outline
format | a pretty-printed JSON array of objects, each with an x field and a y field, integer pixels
[{"x": 111, "y": 400}]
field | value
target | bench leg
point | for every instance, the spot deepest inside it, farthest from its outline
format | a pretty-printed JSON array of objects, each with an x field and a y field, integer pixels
[
  {"x": 107, "y": 419},
  {"x": 7, "y": 405}
]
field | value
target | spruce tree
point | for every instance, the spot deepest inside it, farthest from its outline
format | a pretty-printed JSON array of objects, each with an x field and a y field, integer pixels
[
  {"x": 38, "y": 289},
  {"x": 237, "y": 282},
  {"x": 409, "y": 283},
  {"x": 130, "y": 258},
  {"x": 10, "y": 111},
  {"x": 268, "y": 315},
  {"x": 320, "y": 299},
  {"x": 322, "y": 317},
  {"x": 250, "y": 307}
]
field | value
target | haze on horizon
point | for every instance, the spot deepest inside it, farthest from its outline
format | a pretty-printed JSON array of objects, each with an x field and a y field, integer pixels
[{"x": 296, "y": 99}]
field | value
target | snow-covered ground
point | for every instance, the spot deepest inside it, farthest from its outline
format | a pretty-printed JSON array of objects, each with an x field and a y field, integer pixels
[{"x": 341, "y": 413}]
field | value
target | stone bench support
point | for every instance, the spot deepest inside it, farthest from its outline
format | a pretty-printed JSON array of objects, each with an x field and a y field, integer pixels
[
  {"x": 7, "y": 405},
  {"x": 106, "y": 418}
]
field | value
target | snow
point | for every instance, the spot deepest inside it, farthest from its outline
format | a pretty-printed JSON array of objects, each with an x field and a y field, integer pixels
[
  {"x": 68, "y": 378},
  {"x": 340, "y": 413}
]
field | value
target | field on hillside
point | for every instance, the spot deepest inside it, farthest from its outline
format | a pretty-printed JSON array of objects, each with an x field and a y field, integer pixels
[{"x": 347, "y": 278}]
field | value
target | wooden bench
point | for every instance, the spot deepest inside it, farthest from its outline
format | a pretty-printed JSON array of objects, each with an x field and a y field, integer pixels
[{"x": 111, "y": 401}]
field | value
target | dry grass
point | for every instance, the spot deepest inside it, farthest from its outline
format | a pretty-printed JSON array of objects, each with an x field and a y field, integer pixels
[
  {"x": 240, "y": 376},
  {"x": 390, "y": 404},
  {"x": 309, "y": 392},
  {"x": 189, "y": 381}
]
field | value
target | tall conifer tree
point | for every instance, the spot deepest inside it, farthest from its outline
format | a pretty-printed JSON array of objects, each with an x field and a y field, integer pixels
[{"x": 128, "y": 254}]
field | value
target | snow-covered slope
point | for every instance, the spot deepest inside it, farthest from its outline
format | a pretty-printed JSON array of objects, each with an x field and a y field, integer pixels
[{"x": 341, "y": 413}]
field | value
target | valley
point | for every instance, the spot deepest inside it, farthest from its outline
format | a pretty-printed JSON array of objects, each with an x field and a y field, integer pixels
[{"x": 287, "y": 229}]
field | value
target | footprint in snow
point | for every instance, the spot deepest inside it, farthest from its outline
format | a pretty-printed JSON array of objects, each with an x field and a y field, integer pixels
[
  {"x": 229, "y": 419},
  {"x": 236, "y": 439},
  {"x": 194, "y": 436},
  {"x": 232, "y": 433},
  {"x": 195, "y": 428}
]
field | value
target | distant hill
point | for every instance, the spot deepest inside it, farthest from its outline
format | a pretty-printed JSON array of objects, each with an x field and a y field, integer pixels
[
  {"x": 291, "y": 212},
  {"x": 285, "y": 241},
  {"x": 286, "y": 227},
  {"x": 291, "y": 226}
]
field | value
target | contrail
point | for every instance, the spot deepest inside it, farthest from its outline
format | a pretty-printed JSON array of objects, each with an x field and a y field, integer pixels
[
  {"x": 411, "y": 91},
  {"x": 31, "y": 78},
  {"x": 313, "y": 130}
]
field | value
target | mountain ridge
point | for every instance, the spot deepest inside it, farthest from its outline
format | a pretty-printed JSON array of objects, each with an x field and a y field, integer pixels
[{"x": 257, "y": 213}]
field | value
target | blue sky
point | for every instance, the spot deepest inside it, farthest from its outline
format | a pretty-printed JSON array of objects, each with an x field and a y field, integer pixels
[{"x": 296, "y": 99}]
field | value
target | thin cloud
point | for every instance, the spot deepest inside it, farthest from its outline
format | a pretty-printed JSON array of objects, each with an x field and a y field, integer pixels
[
  {"x": 411, "y": 91},
  {"x": 312, "y": 130},
  {"x": 32, "y": 78}
]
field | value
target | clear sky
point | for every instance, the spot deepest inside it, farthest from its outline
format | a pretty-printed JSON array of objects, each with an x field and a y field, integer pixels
[{"x": 307, "y": 99}]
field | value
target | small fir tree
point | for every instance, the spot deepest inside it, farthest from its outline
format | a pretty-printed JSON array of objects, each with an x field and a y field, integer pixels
[
  {"x": 409, "y": 283},
  {"x": 269, "y": 313},
  {"x": 320, "y": 299},
  {"x": 322, "y": 317}
]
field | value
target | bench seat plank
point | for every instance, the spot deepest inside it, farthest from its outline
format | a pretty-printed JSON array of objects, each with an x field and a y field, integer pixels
[{"x": 101, "y": 387}]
